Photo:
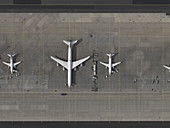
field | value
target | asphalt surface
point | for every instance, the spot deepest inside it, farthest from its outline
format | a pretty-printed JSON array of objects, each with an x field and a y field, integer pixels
[{"x": 139, "y": 91}]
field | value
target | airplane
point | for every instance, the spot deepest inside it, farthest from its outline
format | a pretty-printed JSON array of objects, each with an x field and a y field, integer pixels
[
  {"x": 69, "y": 64},
  {"x": 12, "y": 65},
  {"x": 167, "y": 67},
  {"x": 110, "y": 65}
]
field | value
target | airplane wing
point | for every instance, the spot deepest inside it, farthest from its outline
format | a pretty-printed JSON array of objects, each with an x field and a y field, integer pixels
[
  {"x": 61, "y": 62},
  {"x": 15, "y": 64},
  {"x": 107, "y": 65},
  {"x": 115, "y": 64},
  {"x": 78, "y": 62},
  {"x": 166, "y": 67},
  {"x": 8, "y": 64}
]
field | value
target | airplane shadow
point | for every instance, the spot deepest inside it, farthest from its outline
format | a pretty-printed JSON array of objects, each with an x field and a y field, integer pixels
[
  {"x": 14, "y": 59},
  {"x": 60, "y": 65},
  {"x": 74, "y": 58},
  {"x": 60, "y": 58},
  {"x": 167, "y": 65},
  {"x": 113, "y": 58}
]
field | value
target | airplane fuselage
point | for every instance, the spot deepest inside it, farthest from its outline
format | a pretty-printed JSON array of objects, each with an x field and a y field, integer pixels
[
  {"x": 11, "y": 63},
  {"x": 110, "y": 65},
  {"x": 69, "y": 65}
]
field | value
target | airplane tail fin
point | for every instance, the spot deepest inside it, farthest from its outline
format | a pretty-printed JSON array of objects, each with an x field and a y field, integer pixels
[{"x": 70, "y": 42}]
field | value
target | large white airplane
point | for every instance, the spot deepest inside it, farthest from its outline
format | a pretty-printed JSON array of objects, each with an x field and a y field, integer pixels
[
  {"x": 110, "y": 65},
  {"x": 69, "y": 65},
  {"x": 11, "y": 64},
  {"x": 167, "y": 67}
]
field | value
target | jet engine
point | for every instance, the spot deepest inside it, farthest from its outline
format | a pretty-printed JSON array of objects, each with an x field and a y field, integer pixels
[{"x": 116, "y": 70}]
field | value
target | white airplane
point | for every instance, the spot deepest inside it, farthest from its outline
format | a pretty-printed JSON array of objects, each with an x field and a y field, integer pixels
[
  {"x": 167, "y": 67},
  {"x": 12, "y": 65},
  {"x": 110, "y": 65},
  {"x": 69, "y": 65}
]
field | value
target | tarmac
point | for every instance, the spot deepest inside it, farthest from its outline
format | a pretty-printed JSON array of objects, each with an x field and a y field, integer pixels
[{"x": 138, "y": 92}]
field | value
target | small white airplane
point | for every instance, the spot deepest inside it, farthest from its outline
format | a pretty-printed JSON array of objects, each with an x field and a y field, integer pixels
[
  {"x": 12, "y": 65},
  {"x": 110, "y": 65},
  {"x": 69, "y": 65},
  {"x": 167, "y": 67}
]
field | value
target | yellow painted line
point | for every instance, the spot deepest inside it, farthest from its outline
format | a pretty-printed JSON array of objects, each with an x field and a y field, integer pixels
[
  {"x": 109, "y": 77},
  {"x": 75, "y": 86},
  {"x": 23, "y": 71},
  {"x": 163, "y": 72},
  {"x": 12, "y": 46},
  {"x": 119, "y": 70},
  {"x": 41, "y": 73},
  {"x": 69, "y": 88},
  {"x": 139, "y": 69}
]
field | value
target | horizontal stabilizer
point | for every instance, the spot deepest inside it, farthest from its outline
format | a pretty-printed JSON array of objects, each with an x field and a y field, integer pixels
[
  {"x": 108, "y": 54},
  {"x": 11, "y": 55},
  {"x": 112, "y": 54},
  {"x": 70, "y": 42}
]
